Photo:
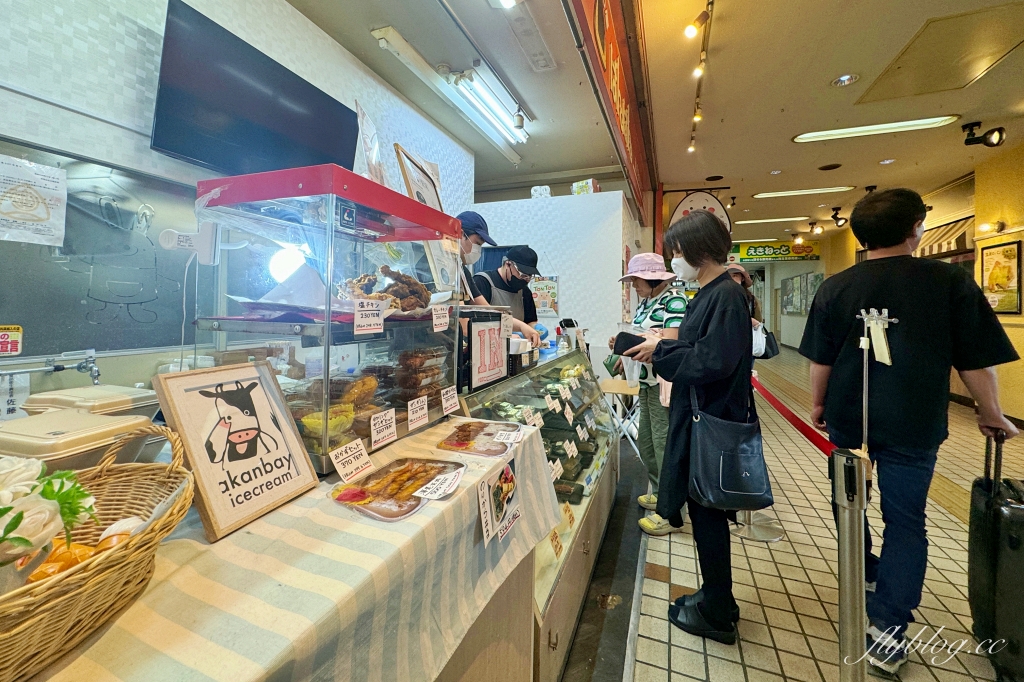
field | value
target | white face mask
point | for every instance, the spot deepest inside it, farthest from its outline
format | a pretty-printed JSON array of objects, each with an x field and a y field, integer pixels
[
  {"x": 473, "y": 256},
  {"x": 684, "y": 270}
]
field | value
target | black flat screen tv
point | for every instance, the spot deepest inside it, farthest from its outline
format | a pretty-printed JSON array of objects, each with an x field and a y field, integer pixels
[{"x": 225, "y": 105}]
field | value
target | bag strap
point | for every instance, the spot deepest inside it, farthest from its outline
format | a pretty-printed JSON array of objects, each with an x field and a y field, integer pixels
[{"x": 693, "y": 403}]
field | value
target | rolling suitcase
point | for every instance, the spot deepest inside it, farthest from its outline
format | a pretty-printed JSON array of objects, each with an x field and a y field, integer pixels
[{"x": 995, "y": 563}]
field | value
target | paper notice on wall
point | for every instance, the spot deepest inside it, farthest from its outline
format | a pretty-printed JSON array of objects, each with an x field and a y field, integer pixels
[
  {"x": 33, "y": 200},
  {"x": 13, "y": 392}
]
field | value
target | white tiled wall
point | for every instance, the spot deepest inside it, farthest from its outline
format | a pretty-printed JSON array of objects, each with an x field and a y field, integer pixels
[{"x": 80, "y": 76}]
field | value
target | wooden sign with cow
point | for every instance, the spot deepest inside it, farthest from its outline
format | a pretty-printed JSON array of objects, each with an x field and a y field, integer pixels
[{"x": 240, "y": 441}]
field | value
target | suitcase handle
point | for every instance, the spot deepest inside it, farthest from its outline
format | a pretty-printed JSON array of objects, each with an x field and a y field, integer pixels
[{"x": 997, "y": 473}]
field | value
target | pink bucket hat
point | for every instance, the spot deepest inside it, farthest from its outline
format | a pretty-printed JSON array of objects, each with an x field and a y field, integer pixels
[
  {"x": 647, "y": 266},
  {"x": 735, "y": 267}
]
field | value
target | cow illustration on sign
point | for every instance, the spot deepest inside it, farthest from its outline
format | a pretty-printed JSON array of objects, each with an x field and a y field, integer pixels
[{"x": 237, "y": 434}]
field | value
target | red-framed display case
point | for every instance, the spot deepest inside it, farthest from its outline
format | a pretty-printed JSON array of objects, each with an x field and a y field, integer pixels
[{"x": 344, "y": 286}]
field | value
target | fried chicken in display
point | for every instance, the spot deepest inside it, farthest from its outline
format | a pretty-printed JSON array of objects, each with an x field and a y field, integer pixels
[
  {"x": 408, "y": 290},
  {"x": 361, "y": 286}
]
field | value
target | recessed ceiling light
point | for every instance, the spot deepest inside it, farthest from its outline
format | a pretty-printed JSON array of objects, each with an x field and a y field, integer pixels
[
  {"x": 776, "y": 172},
  {"x": 794, "y": 219},
  {"x": 830, "y": 166},
  {"x": 876, "y": 129},
  {"x": 886, "y": 162},
  {"x": 746, "y": 210},
  {"x": 846, "y": 79},
  {"x": 786, "y": 230},
  {"x": 802, "y": 192},
  {"x": 822, "y": 205}
]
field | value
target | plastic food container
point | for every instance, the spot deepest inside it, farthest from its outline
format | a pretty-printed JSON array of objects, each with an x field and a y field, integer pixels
[
  {"x": 70, "y": 439},
  {"x": 415, "y": 378},
  {"x": 110, "y": 400},
  {"x": 419, "y": 358}
]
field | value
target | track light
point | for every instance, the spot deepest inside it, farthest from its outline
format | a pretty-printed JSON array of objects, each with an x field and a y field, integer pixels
[
  {"x": 798, "y": 239},
  {"x": 731, "y": 203},
  {"x": 693, "y": 145},
  {"x": 518, "y": 120},
  {"x": 870, "y": 188},
  {"x": 839, "y": 221},
  {"x": 816, "y": 228},
  {"x": 991, "y": 138},
  {"x": 698, "y": 115},
  {"x": 698, "y": 23},
  {"x": 699, "y": 71}
]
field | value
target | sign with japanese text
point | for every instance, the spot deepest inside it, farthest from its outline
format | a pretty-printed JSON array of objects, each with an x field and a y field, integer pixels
[
  {"x": 10, "y": 340},
  {"x": 351, "y": 461},
  {"x": 369, "y": 317},
  {"x": 489, "y": 357},
  {"x": 761, "y": 252}
]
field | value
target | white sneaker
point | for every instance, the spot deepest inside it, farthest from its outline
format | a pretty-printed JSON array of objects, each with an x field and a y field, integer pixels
[
  {"x": 655, "y": 525},
  {"x": 649, "y": 502}
]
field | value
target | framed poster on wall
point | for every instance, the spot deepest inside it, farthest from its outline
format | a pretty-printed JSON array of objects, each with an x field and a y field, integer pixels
[
  {"x": 805, "y": 300},
  {"x": 1000, "y": 277}
]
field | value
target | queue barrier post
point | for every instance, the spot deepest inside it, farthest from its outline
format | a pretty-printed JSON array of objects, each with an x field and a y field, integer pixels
[{"x": 850, "y": 473}]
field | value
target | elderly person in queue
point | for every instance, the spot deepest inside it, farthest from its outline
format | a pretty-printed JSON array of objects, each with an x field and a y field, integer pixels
[
  {"x": 660, "y": 310},
  {"x": 713, "y": 354}
]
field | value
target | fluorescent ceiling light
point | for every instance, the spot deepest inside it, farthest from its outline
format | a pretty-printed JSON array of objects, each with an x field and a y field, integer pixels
[
  {"x": 752, "y": 241},
  {"x": 472, "y": 87},
  {"x": 877, "y": 129},
  {"x": 391, "y": 40},
  {"x": 802, "y": 192},
  {"x": 795, "y": 219}
]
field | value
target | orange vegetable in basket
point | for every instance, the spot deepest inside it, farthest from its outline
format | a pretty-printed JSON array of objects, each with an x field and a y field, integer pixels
[
  {"x": 44, "y": 571},
  {"x": 111, "y": 541},
  {"x": 68, "y": 557}
]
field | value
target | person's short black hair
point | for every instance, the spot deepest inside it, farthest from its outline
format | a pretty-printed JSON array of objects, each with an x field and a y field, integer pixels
[
  {"x": 887, "y": 218},
  {"x": 700, "y": 236}
]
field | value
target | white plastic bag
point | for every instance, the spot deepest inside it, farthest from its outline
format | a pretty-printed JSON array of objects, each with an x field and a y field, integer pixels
[{"x": 759, "y": 340}]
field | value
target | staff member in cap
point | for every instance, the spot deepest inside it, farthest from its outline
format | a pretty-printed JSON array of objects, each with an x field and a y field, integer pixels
[
  {"x": 474, "y": 236},
  {"x": 507, "y": 286}
]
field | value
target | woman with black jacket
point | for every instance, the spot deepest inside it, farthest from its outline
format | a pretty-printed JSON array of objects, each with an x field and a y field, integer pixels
[{"x": 714, "y": 354}]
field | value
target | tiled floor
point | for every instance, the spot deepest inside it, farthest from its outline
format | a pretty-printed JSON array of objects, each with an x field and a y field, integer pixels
[{"x": 788, "y": 591}]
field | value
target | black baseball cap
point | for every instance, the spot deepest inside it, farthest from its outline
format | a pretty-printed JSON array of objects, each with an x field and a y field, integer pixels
[
  {"x": 525, "y": 259},
  {"x": 474, "y": 223}
]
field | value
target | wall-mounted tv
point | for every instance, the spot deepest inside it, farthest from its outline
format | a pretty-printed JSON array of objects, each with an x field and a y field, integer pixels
[{"x": 225, "y": 105}]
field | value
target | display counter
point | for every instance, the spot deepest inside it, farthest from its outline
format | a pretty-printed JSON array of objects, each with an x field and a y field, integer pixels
[
  {"x": 583, "y": 455},
  {"x": 319, "y": 590}
]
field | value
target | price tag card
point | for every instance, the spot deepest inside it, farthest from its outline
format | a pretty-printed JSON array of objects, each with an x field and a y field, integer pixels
[
  {"x": 586, "y": 375},
  {"x": 580, "y": 341},
  {"x": 564, "y": 391},
  {"x": 528, "y": 415},
  {"x": 418, "y": 413},
  {"x": 568, "y": 414},
  {"x": 582, "y": 432},
  {"x": 508, "y": 436},
  {"x": 556, "y": 469},
  {"x": 574, "y": 382},
  {"x": 571, "y": 449},
  {"x": 590, "y": 421},
  {"x": 442, "y": 486},
  {"x": 450, "y": 399},
  {"x": 351, "y": 461},
  {"x": 382, "y": 428},
  {"x": 536, "y": 356},
  {"x": 506, "y": 325},
  {"x": 567, "y": 513},
  {"x": 538, "y": 421},
  {"x": 369, "y": 317},
  {"x": 552, "y": 403},
  {"x": 440, "y": 313},
  {"x": 556, "y": 543}
]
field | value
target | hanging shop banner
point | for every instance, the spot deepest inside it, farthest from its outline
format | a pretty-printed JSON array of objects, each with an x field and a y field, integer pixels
[
  {"x": 766, "y": 252},
  {"x": 602, "y": 28}
]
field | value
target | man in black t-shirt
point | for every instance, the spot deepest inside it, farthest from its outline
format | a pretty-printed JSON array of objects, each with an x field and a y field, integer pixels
[{"x": 944, "y": 322}]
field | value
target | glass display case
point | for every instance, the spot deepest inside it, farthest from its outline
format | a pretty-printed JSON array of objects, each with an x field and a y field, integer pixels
[
  {"x": 579, "y": 439},
  {"x": 329, "y": 275}
]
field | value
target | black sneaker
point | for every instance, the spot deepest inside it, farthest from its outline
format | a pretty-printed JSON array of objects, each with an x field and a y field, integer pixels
[
  {"x": 690, "y": 619},
  {"x": 697, "y": 597},
  {"x": 885, "y": 652}
]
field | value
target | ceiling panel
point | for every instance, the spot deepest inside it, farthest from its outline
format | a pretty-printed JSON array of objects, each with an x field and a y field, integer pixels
[{"x": 768, "y": 79}]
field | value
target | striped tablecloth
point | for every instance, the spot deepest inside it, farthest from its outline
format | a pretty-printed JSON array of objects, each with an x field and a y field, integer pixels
[{"x": 317, "y": 591}]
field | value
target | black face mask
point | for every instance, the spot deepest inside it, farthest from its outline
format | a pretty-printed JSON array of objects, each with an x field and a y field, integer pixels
[{"x": 516, "y": 284}]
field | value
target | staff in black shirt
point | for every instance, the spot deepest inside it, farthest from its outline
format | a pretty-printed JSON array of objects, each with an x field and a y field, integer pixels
[
  {"x": 944, "y": 322},
  {"x": 509, "y": 286},
  {"x": 474, "y": 236},
  {"x": 713, "y": 353}
]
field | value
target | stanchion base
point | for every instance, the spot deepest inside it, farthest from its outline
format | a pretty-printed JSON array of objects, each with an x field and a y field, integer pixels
[{"x": 761, "y": 528}]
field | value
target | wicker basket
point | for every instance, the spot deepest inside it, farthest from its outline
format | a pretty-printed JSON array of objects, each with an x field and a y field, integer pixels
[{"x": 44, "y": 620}]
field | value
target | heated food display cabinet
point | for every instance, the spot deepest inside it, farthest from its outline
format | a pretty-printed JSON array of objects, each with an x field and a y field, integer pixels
[{"x": 345, "y": 287}]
